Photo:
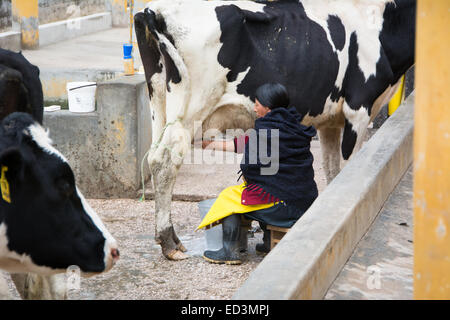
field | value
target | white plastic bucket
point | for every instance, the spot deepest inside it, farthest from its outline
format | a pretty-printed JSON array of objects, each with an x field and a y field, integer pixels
[
  {"x": 81, "y": 96},
  {"x": 213, "y": 236}
]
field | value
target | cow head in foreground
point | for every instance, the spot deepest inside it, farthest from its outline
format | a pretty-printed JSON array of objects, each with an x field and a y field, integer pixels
[
  {"x": 340, "y": 61},
  {"x": 46, "y": 225}
]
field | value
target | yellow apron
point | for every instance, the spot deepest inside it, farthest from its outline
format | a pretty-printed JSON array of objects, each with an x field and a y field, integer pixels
[{"x": 228, "y": 203}]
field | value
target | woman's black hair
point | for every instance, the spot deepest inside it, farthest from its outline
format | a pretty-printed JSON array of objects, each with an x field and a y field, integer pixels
[{"x": 272, "y": 95}]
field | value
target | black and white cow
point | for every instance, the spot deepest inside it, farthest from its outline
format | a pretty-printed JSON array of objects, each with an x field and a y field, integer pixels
[
  {"x": 20, "y": 87},
  {"x": 46, "y": 225},
  {"x": 341, "y": 61},
  {"x": 41, "y": 232}
]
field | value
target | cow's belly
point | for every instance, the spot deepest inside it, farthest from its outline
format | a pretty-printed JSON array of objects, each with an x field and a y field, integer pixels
[
  {"x": 331, "y": 117},
  {"x": 229, "y": 117},
  {"x": 383, "y": 99},
  {"x": 235, "y": 113}
]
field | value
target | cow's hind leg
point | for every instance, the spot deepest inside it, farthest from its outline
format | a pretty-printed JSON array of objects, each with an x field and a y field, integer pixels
[
  {"x": 356, "y": 122},
  {"x": 330, "y": 139},
  {"x": 164, "y": 164}
]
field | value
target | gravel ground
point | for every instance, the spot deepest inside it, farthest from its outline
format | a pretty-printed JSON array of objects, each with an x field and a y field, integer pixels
[{"x": 143, "y": 273}]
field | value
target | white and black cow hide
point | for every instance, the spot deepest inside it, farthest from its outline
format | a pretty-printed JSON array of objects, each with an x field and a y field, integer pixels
[
  {"x": 341, "y": 61},
  {"x": 46, "y": 225}
]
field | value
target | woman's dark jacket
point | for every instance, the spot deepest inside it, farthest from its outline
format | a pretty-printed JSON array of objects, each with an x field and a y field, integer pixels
[{"x": 293, "y": 182}]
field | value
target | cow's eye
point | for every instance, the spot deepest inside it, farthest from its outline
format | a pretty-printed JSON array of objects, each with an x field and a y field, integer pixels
[{"x": 65, "y": 188}]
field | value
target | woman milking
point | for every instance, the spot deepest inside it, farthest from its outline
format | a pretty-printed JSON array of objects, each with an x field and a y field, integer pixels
[{"x": 275, "y": 193}]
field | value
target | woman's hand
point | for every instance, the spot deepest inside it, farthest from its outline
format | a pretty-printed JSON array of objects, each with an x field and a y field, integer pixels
[
  {"x": 222, "y": 145},
  {"x": 205, "y": 143}
]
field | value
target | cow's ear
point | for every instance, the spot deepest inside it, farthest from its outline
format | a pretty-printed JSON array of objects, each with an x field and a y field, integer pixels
[{"x": 11, "y": 163}]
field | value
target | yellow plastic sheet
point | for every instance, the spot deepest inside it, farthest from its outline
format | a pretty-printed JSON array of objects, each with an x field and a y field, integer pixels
[
  {"x": 228, "y": 203},
  {"x": 398, "y": 97}
]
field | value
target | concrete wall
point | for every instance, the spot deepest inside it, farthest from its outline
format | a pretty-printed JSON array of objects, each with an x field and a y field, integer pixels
[
  {"x": 55, "y": 21},
  {"x": 9, "y": 39},
  {"x": 105, "y": 147},
  {"x": 68, "y": 29},
  {"x": 5, "y": 15},
  {"x": 54, "y": 82},
  {"x": 56, "y": 10}
]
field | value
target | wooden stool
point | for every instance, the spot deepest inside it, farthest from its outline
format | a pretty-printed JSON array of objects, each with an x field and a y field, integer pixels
[{"x": 276, "y": 234}]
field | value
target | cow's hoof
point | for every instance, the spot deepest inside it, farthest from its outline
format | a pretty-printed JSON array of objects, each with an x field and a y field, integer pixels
[
  {"x": 181, "y": 247},
  {"x": 177, "y": 255}
]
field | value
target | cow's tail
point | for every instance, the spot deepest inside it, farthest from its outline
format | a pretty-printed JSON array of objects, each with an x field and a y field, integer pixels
[
  {"x": 169, "y": 86},
  {"x": 165, "y": 69}
]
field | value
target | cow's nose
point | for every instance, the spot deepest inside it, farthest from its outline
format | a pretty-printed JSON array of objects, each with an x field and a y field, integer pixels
[{"x": 115, "y": 254}]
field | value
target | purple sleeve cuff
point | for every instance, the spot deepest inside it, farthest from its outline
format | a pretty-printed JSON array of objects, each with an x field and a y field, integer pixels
[{"x": 239, "y": 143}]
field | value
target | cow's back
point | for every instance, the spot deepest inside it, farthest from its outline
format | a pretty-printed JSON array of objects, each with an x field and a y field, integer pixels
[
  {"x": 20, "y": 86},
  {"x": 232, "y": 47}
]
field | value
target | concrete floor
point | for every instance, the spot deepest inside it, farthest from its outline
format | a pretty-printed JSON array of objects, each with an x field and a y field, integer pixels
[
  {"x": 99, "y": 51},
  {"x": 381, "y": 267}
]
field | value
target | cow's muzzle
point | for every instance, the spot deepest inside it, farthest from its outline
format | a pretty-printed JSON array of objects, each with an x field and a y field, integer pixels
[{"x": 112, "y": 257}]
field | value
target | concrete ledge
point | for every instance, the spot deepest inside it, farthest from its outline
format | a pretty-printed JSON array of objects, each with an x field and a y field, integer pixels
[
  {"x": 307, "y": 260},
  {"x": 67, "y": 29},
  {"x": 10, "y": 40},
  {"x": 105, "y": 147},
  {"x": 54, "y": 81}
]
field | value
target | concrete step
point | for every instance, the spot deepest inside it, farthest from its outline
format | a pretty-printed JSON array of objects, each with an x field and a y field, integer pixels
[{"x": 381, "y": 267}]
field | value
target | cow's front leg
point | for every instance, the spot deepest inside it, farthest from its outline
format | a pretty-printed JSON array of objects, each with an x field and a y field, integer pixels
[
  {"x": 164, "y": 176},
  {"x": 164, "y": 165},
  {"x": 330, "y": 139},
  {"x": 4, "y": 290},
  {"x": 38, "y": 287}
]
